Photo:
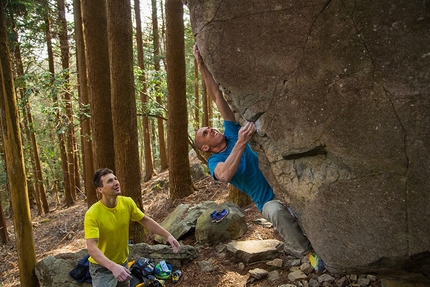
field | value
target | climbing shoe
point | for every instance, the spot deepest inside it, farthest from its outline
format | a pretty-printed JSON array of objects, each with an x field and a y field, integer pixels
[
  {"x": 176, "y": 276},
  {"x": 153, "y": 281},
  {"x": 213, "y": 215},
  {"x": 316, "y": 262},
  {"x": 218, "y": 216}
]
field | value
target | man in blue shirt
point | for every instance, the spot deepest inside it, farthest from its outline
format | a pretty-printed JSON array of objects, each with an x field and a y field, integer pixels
[{"x": 234, "y": 161}]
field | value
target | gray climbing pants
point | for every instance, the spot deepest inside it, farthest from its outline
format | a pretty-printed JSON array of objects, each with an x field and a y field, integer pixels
[{"x": 296, "y": 243}]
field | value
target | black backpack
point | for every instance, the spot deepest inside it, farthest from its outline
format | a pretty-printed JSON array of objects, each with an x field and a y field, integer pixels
[
  {"x": 81, "y": 272},
  {"x": 142, "y": 267}
]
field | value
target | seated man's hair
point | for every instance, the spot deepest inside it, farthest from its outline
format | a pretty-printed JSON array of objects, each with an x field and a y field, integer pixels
[{"x": 97, "y": 178}]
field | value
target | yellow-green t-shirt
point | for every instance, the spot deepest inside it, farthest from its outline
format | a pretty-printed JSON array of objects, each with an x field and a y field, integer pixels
[{"x": 111, "y": 227}]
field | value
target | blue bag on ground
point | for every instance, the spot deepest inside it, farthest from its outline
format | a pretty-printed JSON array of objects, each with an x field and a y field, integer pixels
[{"x": 81, "y": 272}]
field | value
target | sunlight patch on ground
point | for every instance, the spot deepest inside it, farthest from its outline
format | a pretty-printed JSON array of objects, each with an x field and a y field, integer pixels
[{"x": 231, "y": 278}]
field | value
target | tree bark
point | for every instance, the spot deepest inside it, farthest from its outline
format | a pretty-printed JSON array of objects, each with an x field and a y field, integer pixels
[
  {"x": 196, "y": 97},
  {"x": 15, "y": 164},
  {"x": 84, "y": 102},
  {"x": 27, "y": 120},
  {"x": 99, "y": 88},
  {"x": 239, "y": 198},
  {"x": 60, "y": 135},
  {"x": 149, "y": 165},
  {"x": 205, "y": 100},
  {"x": 180, "y": 181},
  {"x": 4, "y": 236},
  {"x": 160, "y": 123},
  {"x": 124, "y": 115},
  {"x": 69, "y": 131}
]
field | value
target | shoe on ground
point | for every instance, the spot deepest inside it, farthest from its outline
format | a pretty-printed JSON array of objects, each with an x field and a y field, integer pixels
[
  {"x": 213, "y": 215},
  {"x": 176, "y": 276},
  {"x": 219, "y": 216},
  {"x": 316, "y": 262}
]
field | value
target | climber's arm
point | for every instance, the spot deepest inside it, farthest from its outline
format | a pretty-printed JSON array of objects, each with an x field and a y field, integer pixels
[{"x": 213, "y": 88}]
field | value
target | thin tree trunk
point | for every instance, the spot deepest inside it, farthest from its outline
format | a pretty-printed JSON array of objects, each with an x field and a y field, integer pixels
[
  {"x": 70, "y": 132},
  {"x": 149, "y": 165},
  {"x": 239, "y": 198},
  {"x": 124, "y": 115},
  {"x": 196, "y": 97},
  {"x": 98, "y": 67},
  {"x": 4, "y": 236},
  {"x": 15, "y": 164},
  {"x": 180, "y": 181},
  {"x": 86, "y": 141},
  {"x": 60, "y": 135},
  {"x": 205, "y": 100},
  {"x": 39, "y": 192},
  {"x": 210, "y": 112},
  {"x": 160, "y": 123}
]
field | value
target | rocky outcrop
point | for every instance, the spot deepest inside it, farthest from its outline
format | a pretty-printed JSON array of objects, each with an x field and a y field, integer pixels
[
  {"x": 196, "y": 218},
  {"x": 53, "y": 271},
  {"x": 341, "y": 91}
]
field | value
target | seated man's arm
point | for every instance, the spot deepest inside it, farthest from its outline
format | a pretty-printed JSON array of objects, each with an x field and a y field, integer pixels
[{"x": 156, "y": 228}]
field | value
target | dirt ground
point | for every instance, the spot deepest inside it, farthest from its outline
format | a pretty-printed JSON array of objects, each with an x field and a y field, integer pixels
[{"x": 61, "y": 231}]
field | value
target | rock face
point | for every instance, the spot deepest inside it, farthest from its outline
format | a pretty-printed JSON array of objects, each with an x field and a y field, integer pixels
[{"x": 341, "y": 89}]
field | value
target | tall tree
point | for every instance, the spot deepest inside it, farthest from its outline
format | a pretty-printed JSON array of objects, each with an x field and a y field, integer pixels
[
  {"x": 27, "y": 120},
  {"x": 160, "y": 121},
  {"x": 205, "y": 103},
  {"x": 84, "y": 107},
  {"x": 59, "y": 122},
  {"x": 180, "y": 181},
  {"x": 124, "y": 116},
  {"x": 98, "y": 76},
  {"x": 4, "y": 235},
  {"x": 15, "y": 163},
  {"x": 149, "y": 165},
  {"x": 69, "y": 125},
  {"x": 196, "y": 97}
]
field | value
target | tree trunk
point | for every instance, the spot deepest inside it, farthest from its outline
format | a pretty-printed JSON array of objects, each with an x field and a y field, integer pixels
[
  {"x": 180, "y": 181},
  {"x": 60, "y": 135},
  {"x": 70, "y": 133},
  {"x": 86, "y": 141},
  {"x": 99, "y": 88},
  {"x": 205, "y": 100},
  {"x": 196, "y": 97},
  {"x": 149, "y": 165},
  {"x": 15, "y": 164},
  {"x": 210, "y": 111},
  {"x": 160, "y": 122},
  {"x": 124, "y": 118},
  {"x": 4, "y": 236},
  {"x": 27, "y": 119},
  {"x": 238, "y": 197}
]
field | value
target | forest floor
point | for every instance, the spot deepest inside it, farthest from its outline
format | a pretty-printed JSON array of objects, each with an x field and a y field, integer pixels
[{"x": 61, "y": 231}]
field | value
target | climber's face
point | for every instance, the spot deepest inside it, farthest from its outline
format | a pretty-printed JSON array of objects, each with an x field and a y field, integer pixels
[{"x": 209, "y": 139}]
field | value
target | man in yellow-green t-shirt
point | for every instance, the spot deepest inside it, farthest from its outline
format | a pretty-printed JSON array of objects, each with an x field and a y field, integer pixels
[{"x": 106, "y": 228}]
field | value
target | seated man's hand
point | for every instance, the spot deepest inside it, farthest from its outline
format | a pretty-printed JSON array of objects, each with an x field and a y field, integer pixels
[
  {"x": 174, "y": 243},
  {"x": 121, "y": 273}
]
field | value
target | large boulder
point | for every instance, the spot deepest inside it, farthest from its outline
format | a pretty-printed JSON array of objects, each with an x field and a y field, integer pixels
[{"x": 341, "y": 89}]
